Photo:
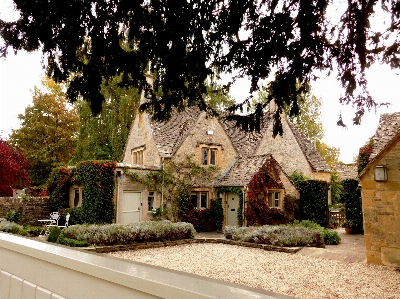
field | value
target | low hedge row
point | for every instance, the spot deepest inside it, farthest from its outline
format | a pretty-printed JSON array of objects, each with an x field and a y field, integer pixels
[{"x": 116, "y": 234}]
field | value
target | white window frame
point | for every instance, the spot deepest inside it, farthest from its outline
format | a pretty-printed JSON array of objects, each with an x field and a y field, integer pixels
[
  {"x": 274, "y": 197},
  {"x": 206, "y": 160},
  {"x": 199, "y": 202},
  {"x": 150, "y": 195},
  {"x": 76, "y": 189},
  {"x": 137, "y": 155}
]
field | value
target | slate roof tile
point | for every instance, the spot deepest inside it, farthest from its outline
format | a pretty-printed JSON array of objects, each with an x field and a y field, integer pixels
[
  {"x": 347, "y": 171},
  {"x": 170, "y": 134},
  {"x": 242, "y": 171},
  {"x": 313, "y": 157},
  {"x": 388, "y": 128}
]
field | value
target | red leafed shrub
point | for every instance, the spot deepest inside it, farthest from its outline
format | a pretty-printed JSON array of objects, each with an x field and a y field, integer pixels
[
  {"x": 258, "y": 212},
  {"x": 13, "y": 169}
]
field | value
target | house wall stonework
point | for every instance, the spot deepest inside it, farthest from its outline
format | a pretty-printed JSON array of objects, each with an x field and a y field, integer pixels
[
  {"x": 285, "y": 150},
  {"x": 141, "y": 134},
  {"x": 198, "y": 137},
  {"x": 381, "y": 209}
]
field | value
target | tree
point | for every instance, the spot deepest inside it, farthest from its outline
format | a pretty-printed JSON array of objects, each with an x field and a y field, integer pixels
[
  {"x": 47, "y": 135},
  {"x": 13, "y": 169},
  {"x": 188, "y": 42},
  {"x": 103, "y": 137}
]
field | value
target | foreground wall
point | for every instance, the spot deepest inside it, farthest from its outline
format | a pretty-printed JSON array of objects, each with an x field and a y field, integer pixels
[
  {"x": 32, "y": 269},
  {"x": 381, "y": 211}
]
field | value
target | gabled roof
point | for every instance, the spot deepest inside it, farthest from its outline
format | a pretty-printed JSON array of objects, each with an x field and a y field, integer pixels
[
  {"x": 388, "y": 128},
  {"x": 313, "y": 157},
  {"x": 347, "y": 171},
  {"x": 170, "y": 134},
  {"x": 242, "y": 171},
  {"x": 246, "y": 143}
]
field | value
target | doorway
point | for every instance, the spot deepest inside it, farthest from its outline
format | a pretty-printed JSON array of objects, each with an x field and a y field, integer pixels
[
  {"x": 232, "y": 204},
  {"x": 131, "y": 207}
]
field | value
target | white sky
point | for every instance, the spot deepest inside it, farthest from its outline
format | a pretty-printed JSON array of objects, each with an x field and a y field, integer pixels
[{"x": 20, "y": 73}]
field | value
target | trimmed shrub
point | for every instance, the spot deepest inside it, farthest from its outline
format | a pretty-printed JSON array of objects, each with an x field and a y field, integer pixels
[
  {"x": 113, "y": 234},
  {"x": 12, "y": 228},
  {"x": 54, "y": 233},
  {"x": 331, "y": 237},
  {"x": 276, "y": 235},
  {"x": 314, "y": 201},
  {"x": 292, "y": 207},
  {"x": 353, "y": 203},
  {"x": 71, "y": 242}
]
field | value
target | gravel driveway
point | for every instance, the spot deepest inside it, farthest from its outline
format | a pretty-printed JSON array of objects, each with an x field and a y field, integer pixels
[{"x": 290, "y": 274}]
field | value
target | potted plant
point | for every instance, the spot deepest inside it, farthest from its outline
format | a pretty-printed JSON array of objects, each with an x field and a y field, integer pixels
[{"x": 348, "y": 226}]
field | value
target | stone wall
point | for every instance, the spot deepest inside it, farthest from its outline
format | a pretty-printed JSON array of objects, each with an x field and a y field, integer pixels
[
  {"x": 381, "y": 210},
  {"x": 197, "y": 137},
  {"x": 33, "y": 208}
]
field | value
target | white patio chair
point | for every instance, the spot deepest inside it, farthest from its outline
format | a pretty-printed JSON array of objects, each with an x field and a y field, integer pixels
[{"x": 55, "y": 216}]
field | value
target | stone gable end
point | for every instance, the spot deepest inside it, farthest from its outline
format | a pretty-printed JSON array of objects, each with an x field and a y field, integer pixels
[
  {"x": 208, "y": 132},
  {"x": 285, "y": 150},
  {"x": 381, "y": 209},
  {"x": 142, "y": 135}
]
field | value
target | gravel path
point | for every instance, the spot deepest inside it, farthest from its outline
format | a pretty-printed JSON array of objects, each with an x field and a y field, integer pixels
[{"x": 290, "y": 274}]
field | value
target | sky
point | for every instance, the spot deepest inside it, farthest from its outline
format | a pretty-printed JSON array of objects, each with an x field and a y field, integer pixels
[{"x": 20, "y": 73}]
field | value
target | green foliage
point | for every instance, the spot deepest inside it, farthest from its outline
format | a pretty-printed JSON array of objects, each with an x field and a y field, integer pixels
[
  {"x": 176, "y": 180},
  {"x": 330, "y": 237},
  {"x": 353, "y": 203},
  {"x": 336, "y": 188},
  {"x": 218, "y": 213},
  {"x": 314, "y": 201},
  {"x": 364, "y": 155},
  {"x": 103, "y": 137},
  {"x": 76, "y": 215},
  {"x": 58, "y": 185},
  {"x": 47, "y": 133},
  {"x": 11, "y": 227},
  {"x": 285, "y": 236},
  {"x": 14, "y": 216},
  {"x": 205, "y": 220},
  {"x": 239, "y": 192},
  {"x": 54, "y": 232},
  {"x": 97, "y": 178},
  {"x": 298, "y": 177},
  {"x": 112, "y": 234},
  {"x": 71, "y": 242},
  {"x": 242, "y": 38},
  {"x": 291, "y": 206}
]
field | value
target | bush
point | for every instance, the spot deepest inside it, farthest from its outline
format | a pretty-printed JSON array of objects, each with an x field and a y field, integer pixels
[
  {"x": 276, "y": 235},
  {"x": 353, "y": 203},
  {"x": 112, "y": 234},
  {"x": 292, "y": 207},
  {"x": 54, "y": 233},
  {"x": 33, "y": 231},
  {"x": 12, "y": 228},
  {"x": 76, "y": 215},
  {"x": 71, "y": 242},
  {"x": 331, "y": 237},
  {"x": 314, "y": 201},
  {"x": 258, "y": 213},
  {"x": 14, "y": 216}
]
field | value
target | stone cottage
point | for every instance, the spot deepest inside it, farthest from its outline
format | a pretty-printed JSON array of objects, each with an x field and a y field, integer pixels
[
  {"x": 380, "y": 182},
  {"x": 210, "y": 141}
]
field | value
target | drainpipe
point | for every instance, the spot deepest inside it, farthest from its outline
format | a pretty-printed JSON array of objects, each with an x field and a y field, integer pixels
[
  {"x": 243, "y": 207},
  {"x": 162, "y": 185}
]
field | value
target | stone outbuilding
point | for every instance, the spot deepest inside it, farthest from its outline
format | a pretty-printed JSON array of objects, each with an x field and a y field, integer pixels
[{"x": 380, "y": 182}]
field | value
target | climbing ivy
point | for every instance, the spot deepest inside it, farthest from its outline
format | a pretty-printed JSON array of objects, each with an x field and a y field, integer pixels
[
  {"x": 239, "y": 192},
  {"x": 58, "y": 184},
  {"x": 97, "y": 178},
  {"x": 353, "y": 203},
  {"x": 364, "y": 155},
  {"x": 314, "y": 201}
]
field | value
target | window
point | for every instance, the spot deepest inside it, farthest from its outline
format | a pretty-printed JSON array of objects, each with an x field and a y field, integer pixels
[
  {"x": 274, "y": 199},
  {"x": 150, "y": 201},
  {"x": 199, "y": 200},
  {"x": 76, "y": 197},
  {"x": 208, "y": 156},
  {"x": 137, "y": 155}
]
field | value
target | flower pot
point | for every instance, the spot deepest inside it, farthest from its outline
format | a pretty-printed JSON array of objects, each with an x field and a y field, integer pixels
[{"x": 349, "y": 230}]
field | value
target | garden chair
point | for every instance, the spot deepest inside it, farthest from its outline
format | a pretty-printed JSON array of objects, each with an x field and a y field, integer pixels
[
  {"x": 66, "y": 221},
  {"x": 55, "y": 216}
]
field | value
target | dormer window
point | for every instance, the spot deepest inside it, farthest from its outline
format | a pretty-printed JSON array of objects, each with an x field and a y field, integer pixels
[
  {"x": 208, "y": 156},
  {"x": 137, "y": 155}
]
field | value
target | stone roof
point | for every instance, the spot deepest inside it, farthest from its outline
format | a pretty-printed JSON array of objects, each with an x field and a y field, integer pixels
[
  {"x": 388, "y": 128},
  {"x": 313, "y": 157},
  {"x": 347, "y": 171},
  {"x": 246, "y": 143},
  {"x": 170, "y": 134},
  {"x": 242, "y": 171}
]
